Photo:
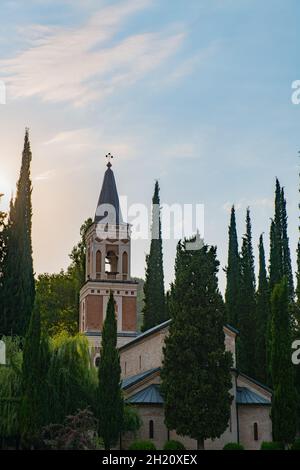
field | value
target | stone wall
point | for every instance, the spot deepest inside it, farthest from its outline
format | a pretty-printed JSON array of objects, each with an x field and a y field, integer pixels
[{"x": 248, "y": 415}]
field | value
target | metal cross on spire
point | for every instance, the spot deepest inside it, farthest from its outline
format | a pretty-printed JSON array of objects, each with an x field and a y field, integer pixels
[{"x": 109, "y": 158}]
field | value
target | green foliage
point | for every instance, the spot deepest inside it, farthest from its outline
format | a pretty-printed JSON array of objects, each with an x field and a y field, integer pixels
[
  {"x": 286, "y": 254},
  {"x": 142, "y": 445},
  {"x": 174, "y": 445},
  {"x": 276, "y": 259},
  {"x": 233, "y": 274},
  {"x": 131, "y": 420},
  {"x": 109, "y": 395},
  {"x": 296, "y": 445},
  {"x": 284, "y": 395},
  {"x": 33, "y": 374},
  {"x": 10, "y": 389},
  {"x": 58, "y": 294},
  {"x": 272, "y": 446},
  {"x": 233, "y": 446},
  {"x": 154, "y": 300},
  {"x": 72, "y": 382},
  {"x": 263, "y": 319},
  {"x": 17, "y": 289},
  {"x": 196, "y": 383},
  {"x": 78, "y": 432},
  {"x": 246, "y": 343}
]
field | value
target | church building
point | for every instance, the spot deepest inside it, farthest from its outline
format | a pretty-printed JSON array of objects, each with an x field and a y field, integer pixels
[{"x": 141, "y": 354}]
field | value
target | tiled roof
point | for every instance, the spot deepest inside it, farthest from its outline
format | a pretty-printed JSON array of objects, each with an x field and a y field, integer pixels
[
  {"x": 245, "y": 396},
  {"x": 149, "y": 395},
  {"x": 134, "y": 379},
  {"x": 147, "y": 333},
  {"x": 159, "y": 327}
]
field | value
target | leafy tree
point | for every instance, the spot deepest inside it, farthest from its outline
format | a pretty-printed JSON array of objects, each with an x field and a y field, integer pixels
[
  {"x": 284, "y": 395},
  {"x": 57, "y": 295},
  {"x": 32, "y": 376},
  {"x": 196, "y": 383},
  {"x": 286, "y": 254},
  {"x": 10, "y": 389},
  {"x": 154, "y": 307},
  {"x": 2, "y": 241},
  {"x": 78, "y": 432},
  {"x": 76, "y": 269},
  {"x": 247, "y": 327},
  {"x": 72, "y": 381},
  {"x": 110, "y": 400},
  {"x": 262, "y": 317},
  {"x": 18, "y": 279},
  {"x": 276, "y": 259},
  {"x": 233, "y": 273}
]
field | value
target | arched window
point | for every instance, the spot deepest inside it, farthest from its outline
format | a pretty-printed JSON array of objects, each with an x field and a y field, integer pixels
[
  {"x": 98, "y": 262},
  {"x": 255, "y": 431},
  {"x": 125, "y": 263},
  {"x": 151, "y": 429},
  {"x": 97, "y": 361}
]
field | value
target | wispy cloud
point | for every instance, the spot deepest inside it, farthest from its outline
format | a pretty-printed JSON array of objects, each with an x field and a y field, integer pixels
[
  {"x": 87, "y": 63},
  {"x": 242, "y": 204}
]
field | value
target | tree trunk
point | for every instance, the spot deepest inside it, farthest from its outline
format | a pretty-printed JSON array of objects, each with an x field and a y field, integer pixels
[{"x": 200, "y": 444}]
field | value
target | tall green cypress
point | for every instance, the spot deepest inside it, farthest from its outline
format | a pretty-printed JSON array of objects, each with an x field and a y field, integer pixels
[
  {"x": 276, "y": 259},
  {"x": 18, "y": 278},
  {"x": 233, "y": 274},
  {"x": 262, "y": 317},
  {"x": 30, "y": 409},
  {"x": 286, "y": 254},
  {"x": 196, "y": 378},
  {"x": 110, "y": 400},
  {"x": 247, "y": 326},
  {"x": 154, "y": 297},
  {"x": 284, "y": 400}
]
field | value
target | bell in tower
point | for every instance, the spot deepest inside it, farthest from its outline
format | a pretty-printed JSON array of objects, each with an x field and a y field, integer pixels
[{"x": 108, "y": 268}]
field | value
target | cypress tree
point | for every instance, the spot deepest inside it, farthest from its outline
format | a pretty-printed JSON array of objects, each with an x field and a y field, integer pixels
[
  {"x": 18, "y": 278},
  {"x": 276, "y": 252},
  {"x": 262, "y": 317},
  {"x": 247, "y": 327},
  {"x": 196, "y": 378},
  {"x": 232, "y": 294},
  {"x": 110, "y": 400},
  {"x": 154, "y": 298},
  {"x": 284, "y": 394},
  {"x": 30, "y": 418},
  {"x": 286, "y": 254}
]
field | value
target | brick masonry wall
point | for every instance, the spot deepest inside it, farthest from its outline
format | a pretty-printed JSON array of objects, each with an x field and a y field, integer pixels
[
  {"x": 94, "y": 312},
  {"x": 129, "y": 314}
]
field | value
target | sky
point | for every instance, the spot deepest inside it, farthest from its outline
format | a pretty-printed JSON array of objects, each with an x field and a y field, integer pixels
[{"x": 195, "y": 94}]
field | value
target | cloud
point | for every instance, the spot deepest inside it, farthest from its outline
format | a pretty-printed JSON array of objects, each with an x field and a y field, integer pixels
[
  {"x": 242, "y": 204},
  {"x": 45, "y": 176},
  {"x": 87, "y": 63}
]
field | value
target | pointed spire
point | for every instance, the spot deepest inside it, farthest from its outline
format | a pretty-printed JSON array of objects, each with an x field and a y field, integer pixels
[{"x": 108, "y": 206}]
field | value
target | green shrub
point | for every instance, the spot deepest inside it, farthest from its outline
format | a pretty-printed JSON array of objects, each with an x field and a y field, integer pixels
[
  {"x": 272, "y": 446},
  {"x": 142, "y": 445},
  {"x": 174, "y": 445},
  {"x": 296, "y": 445},
  {"x": 233, "y": 446}
]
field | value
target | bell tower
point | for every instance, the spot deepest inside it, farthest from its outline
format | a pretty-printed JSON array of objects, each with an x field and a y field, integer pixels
[{"x": 108, "y": 269}]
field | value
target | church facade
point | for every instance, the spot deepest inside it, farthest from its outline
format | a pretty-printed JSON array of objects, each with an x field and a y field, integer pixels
[{"x": 141, "y": 354}]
